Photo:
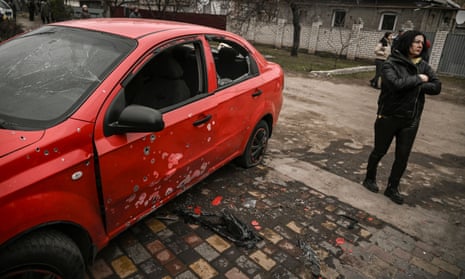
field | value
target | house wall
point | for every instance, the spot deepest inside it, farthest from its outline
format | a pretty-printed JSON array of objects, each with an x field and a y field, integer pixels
[{"x": 427, "y": 20}]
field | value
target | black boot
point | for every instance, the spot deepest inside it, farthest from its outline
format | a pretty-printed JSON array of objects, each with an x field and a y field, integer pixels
[
  {"x": 370, "y": 184},
  {"x": 392, "y": 192}
]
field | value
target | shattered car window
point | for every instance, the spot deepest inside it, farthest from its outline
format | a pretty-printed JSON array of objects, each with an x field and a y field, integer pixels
[{"x": 47, "y": 73}]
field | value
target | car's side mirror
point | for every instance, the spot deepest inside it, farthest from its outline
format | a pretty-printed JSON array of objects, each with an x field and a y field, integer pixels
[{"x": 137, "y": 119}]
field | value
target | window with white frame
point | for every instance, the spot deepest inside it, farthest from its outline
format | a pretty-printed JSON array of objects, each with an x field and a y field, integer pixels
[
  {"x": 339, "y": 18},
  {"x": 388, "y": 21}
]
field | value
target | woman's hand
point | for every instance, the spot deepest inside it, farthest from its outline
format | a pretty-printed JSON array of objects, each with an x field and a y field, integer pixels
[{"x": 424, "y": 77}]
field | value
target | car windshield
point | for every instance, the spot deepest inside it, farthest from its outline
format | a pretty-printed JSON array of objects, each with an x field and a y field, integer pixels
[{"x": 47, "y": 73}]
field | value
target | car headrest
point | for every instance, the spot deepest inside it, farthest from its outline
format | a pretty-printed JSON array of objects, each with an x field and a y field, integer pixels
[
  {"x": 181, "y": 53},
  {"x": 227, "y": 54},
  {"x": 166, "y": 66}
]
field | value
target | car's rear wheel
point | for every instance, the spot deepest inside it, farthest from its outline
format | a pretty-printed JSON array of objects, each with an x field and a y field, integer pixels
[
  {"x": 44, "y": 254},
  {"x": 256, "y": 146}
]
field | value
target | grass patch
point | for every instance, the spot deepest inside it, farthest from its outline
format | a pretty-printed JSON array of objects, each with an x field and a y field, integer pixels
[{"x": 304, "y": 63}]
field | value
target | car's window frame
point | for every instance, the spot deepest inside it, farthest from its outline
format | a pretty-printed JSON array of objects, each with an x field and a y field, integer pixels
[
  {"x": 242, "y": 50},
  {"x": 123, "y": 98}
]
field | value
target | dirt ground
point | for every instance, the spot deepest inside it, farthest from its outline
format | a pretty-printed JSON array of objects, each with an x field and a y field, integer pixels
[{"x": 326, "y": 127}]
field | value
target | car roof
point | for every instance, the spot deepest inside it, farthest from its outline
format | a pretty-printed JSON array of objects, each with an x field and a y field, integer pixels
[{"x": 135, "y": 27}]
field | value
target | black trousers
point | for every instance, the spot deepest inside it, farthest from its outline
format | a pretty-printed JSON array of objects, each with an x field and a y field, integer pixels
[
  {"x": 386, "y": 128},
  {"x": 379, "y": 68}
]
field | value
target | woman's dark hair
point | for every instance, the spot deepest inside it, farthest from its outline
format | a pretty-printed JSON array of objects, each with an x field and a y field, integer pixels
[
  {"x": 384, "y": 39},
  {"x": 406, "y": 40}
]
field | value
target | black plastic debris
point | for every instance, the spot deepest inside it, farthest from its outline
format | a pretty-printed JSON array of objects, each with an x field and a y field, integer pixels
[
  {"x": 352, "y": 221},
  {"x": 226, "y": 225},
  {"x": 310, "y": 258}
]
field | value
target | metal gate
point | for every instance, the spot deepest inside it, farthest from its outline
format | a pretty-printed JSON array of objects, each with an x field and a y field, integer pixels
[{"x": 453, "y": 57}]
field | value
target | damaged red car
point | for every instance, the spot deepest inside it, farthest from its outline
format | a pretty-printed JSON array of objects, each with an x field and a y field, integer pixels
[{"x": 102, "y": 121}]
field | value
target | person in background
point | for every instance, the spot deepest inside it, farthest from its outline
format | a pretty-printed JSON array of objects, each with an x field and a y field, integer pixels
[
  {"x": 382, "y": 51},
  {"x": 45, "y": 12},
  {"x": 396, "y": 39},
  {"x": 406, "y": 80},
  {"x": 134, "y": 13},
  {"x": 31, "y": 6},
  {"x": 85, "y": 12},
  {"x": 425, "y": 55}
]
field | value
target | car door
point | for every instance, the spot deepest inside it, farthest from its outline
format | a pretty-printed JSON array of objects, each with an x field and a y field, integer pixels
[
  {"x": 238, "y": 93},
  {"x": 142, "y": 171}
]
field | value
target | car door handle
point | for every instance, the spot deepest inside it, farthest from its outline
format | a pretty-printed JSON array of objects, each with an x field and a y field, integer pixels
[
  {"x": 257, "y": 93},
  {"x": 203, "y": 120}
]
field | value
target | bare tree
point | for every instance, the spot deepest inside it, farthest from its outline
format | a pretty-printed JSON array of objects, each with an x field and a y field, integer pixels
[
  {"x": 341, "y": 44},
  {"x": 154, "y": 6},
  {"x": 243, "y": 11},
  {"x": 296, "y": 12}
]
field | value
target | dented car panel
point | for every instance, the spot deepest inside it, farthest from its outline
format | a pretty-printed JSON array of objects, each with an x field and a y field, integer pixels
[
  {"x": 49, "y": 180},
  {"x": 138, "y": 112}
]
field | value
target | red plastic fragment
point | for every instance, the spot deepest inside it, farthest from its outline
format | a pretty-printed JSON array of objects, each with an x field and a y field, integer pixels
[
  {"x": 216, "y": 201},
  {"x": 340, "y": 241},
  {"x": 256, "y": 225},
  {"x": 198, "y": 210}
]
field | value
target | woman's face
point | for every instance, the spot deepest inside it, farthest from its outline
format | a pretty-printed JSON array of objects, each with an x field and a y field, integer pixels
[{"x": 417, "y": 46}]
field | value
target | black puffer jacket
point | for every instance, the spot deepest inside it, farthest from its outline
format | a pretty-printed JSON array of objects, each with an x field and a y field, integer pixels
[{"x": 403, "y": 92}]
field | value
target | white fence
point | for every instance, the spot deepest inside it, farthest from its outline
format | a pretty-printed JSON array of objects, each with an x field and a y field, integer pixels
[{"x": 352, "y": 43}]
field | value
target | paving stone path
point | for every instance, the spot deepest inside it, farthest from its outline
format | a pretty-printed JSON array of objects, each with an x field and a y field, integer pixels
[{"x": 347, "y": 242}]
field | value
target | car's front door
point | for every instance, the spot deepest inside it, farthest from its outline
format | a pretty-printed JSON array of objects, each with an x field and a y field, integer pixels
[{"x": 142, "y": 171}]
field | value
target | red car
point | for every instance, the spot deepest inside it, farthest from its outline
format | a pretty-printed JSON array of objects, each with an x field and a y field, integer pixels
[{"x": 102, "y": 121}]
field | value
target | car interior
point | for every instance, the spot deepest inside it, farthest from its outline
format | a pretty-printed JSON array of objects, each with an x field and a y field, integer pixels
[{"x": 176, "y": 74}]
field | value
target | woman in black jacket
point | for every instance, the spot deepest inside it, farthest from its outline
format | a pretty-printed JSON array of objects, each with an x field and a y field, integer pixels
[{"x": 406, "y": 78}]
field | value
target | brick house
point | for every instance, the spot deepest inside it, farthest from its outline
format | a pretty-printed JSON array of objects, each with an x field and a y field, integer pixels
[{"x": 379, "y": 15}]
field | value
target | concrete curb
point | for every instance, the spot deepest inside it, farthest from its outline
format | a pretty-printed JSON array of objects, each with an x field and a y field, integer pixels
[{"x": 343, "y": 71}]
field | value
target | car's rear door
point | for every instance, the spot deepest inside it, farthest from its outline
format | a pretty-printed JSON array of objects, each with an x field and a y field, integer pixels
[{"x": 238, "y": 93}]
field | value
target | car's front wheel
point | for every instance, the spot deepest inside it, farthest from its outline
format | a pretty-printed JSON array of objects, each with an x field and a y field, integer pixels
[
  {"x": 256, "y": 146},
  {"x": 44, "y": 254}
]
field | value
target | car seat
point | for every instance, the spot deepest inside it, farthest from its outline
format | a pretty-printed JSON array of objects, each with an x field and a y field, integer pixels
[
  {"x": 227, "y": 66},
  {"x": 166, "y": 86}
]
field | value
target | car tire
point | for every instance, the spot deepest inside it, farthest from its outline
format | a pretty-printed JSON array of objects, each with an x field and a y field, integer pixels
[
  {"x": 256, "y": 146},
  {"x": 43, "y": 254}
]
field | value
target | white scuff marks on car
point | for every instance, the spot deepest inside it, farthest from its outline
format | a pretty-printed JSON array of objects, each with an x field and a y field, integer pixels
[
  {"x": 131, "y": 198},
  {"x": 192, "y": 175},
  {"x": 173, "y": 159},
  {"x": 142, "y": 200}
]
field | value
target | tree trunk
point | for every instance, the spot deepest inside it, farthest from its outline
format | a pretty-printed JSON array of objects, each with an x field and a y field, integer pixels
[{"x": 297, "y": 27}]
